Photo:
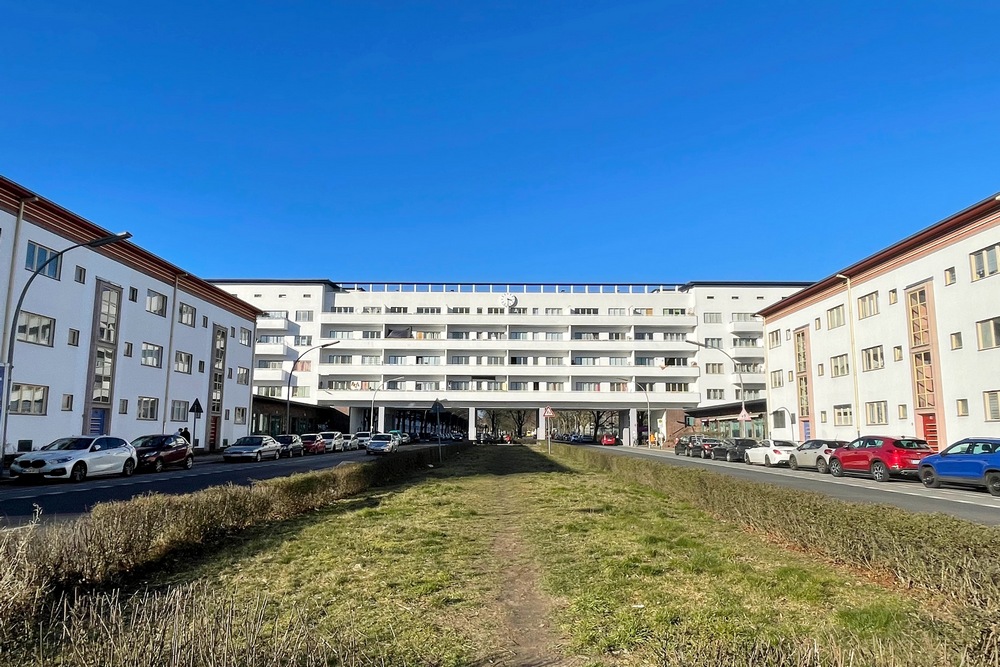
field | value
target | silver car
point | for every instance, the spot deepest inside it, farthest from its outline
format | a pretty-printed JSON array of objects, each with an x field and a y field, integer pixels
[
  {"x": 78, "y": 457},
  {"x": 254, "y": 448},
  {"x": 383, "y": 443}
]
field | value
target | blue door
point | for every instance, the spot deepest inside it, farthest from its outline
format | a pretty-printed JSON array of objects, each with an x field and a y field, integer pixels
[{"x": 98, "y": 421}]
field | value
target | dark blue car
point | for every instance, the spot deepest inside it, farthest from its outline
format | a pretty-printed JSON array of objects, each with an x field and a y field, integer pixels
[{"x": 970, "y": 462}]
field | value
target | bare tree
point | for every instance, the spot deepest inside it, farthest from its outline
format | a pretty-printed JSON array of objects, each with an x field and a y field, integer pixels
[
  {"x": 520, "y": 418},
  {"x": 602, "y": 418},
  {"x": 494, "y": 417}
]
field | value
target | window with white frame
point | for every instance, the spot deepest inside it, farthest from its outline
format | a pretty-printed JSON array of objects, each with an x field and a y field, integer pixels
[
  {"x": 989, "y": 333},
  {"x": 839, "y": 366},
  {"x": 715, "y": 369},
  {"x": 74, "y": 337},
  {"x": 245, "y": 336},
  {"x": 843, "y": 415},
  {"x": 301, "y": 391},
  {"x": 67, "y": 402},
  {"x": 902, "y": 411},
  {"x": 675, "y": 311},
  {"x": 342, "y": 309},
  {"x": 428, "y": 361},
  {"x": 867, "y": 305},
  {"x": 182, "y": 362},
  {"x": 460, "y": 359},
  {"x": 38, "y": 255},
  {"x": 343, "y": 359},
  {"x": 991, "y": 401},
  {"x": 618, "y": 386},
  {"x": 774, "y": 339},
  {"x": 712, "y": 318},
  {"x": 618, "y": 361},
  {"x": 36, "y": 329},
  {"x": 645, "y": 361},
  {"x": 434, "y": 385},
  {"x": 617, "y": 311},
  {"x": 673, "y": 386},
  {"x": 494, "y": 360},
  {"x": 371, "y": 360},
  {"x": 553, "y": 361},
  {"x": 555, "y": 386},
  {"x": 269, "y": 391},
  {"x": 178, "y": 411},
  {"x": 553, "y": 311},
  {"x": 716, "y": 394},
  {"x": 303, "y": 316},
  {"x": 713, "y": 342},
  {"x": 370, "y": 334},
  {"x": 28, "y": 399},
  {"x": 777, "y": 379},
  {"x": 553, "y": 335},
  {"x": 950, "y": 276},
  {"x": 428, "y": 310},
  {"x": 239, "y": 415},
  {"x": 877, "y": 412},
  {"x": 962, "y": 407},
  {"x": 584, "y": 361},
  {"x": 152, "y": 355},
  {"x": 985, "y": 262},
  {"x": 147, "y": 408},
  {"x": 956, "y": 340},
  {"x": 835, "y": 317},
  {"x": 372, "y": 310},
  {"x": 587, "y": 386},
  {"x": 458, "y": 385},
  {"x": 187, "y": 314},
  {"x": 872, "y": 359},
  {"x": 242, "y": 375},
  {"x": 395, "y": 360},
  {"x": 156, "y": 303}
]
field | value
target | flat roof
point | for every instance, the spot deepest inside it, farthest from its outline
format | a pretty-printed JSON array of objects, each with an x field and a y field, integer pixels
[{"x": 501, "y": 287}]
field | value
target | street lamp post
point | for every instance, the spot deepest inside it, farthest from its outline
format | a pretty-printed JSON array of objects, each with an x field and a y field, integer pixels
[
  {"x": 743, "y": 391},
  {"x": 12, "y": 335},
  {"x": 790, "y": 420},
  {"x": 374, "y": 394},
  {"x": 649, "y": 414},
  {"x": 288, "y": 388},
  {"x": 855, "y": 416}
]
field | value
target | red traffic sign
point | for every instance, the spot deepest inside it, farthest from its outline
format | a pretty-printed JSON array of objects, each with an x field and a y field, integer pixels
[
  {"x": 548, "y": 413},
  {"x": 744, "y": 416}
]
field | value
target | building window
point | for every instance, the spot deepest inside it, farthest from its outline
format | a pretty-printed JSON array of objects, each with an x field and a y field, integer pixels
[
  {"x": 554, "y": 386},
  {"x": 551, "y": 311},
  {"x": 239, "y": 415},
  {"x": 871, "y": 358},
  {"x": 989, "y": 333},
  {"x": 617, "y": 311},
  {"x": 984, "y": 262},
  {"x": 897, "y": 353},
  {"x": 133, "y": 294},
  {"x": 146, "y": 408},
  {"x": 435, "y": 361},
  {"x": 123, "y": 406},
  {"x": 843, "y": 415},
  {"x": 74, "y": 337},
  {"x": 867, "y": 305},
  {"x": 156, "y": 303},
  {"x": 802, "y": 389},
  {"x": 893, "y": 297},
  {"x": 300, "y": 392},
  {"x": 777, "y": 379},
  {"x": 774, "y": 339},
  {"x": 242, "y": 375},
  {"x": 38, "y": 255},
  {"x": 583, "y": 311},
  {"x": 618, "y": 361},
  {"x": 822, "y": 416},
  {"x": 791, "y": 376},
  {"x": 553, "y": 361},
  {"x": 715, "y": 369},
  {"x": 303, "y": 365},
  {"x": 433, "y": 385},
  {"x": 962, "y": 407},
  {"x": 67, "y": 402},
  {"x": 713, "y": 342},
  {"x": 877, "y": 412},
  {"x": 182, "y": 362},
  {"x": 819, "y": 370},
  {"x": 270, "y": 392},
  {"x": 304, "y": 341},
  {"x": 713, "y": 318},
  {"x": 178, "y": 411},
  {"x": 716, "y": 394},
  {"x": 618, "y": 386},
  {"x": 187, "y": 314},
  {"x": 835, "y": 317},
  {"x": 514, "y": 361},
  {"x": 800, "y": 351},
  {"x": 303, "y": 316},
  {"x": 670, "y": 386},
  {"x": 128, "y": 350},
  {"x": 81, "y": 274},
  {"x": 587, "y": 386},
  {"x": 429, "y": 310},
  {"x": 204, "y": 321},
  {"x": 36, "y": 329},
  {"x": 371, "y": 360},
  {"x": 371, "y": 334},
  {"x": 28, "y": 399},
  {"x": 923, "y": 375},
  {"x": 640, "y": 361},
  {"x": 956, "y": 340},
  {"x": 839, "y": 366},
  {"x": 675, "y": 311},
  {"x": 991, "y": 401},
  {"x": 920, "y": 328},
  {"x": 902, "y": 411},
  {"x": 152, "y": 355},
  {"x": 592, "y": 361},
  {"x": 817, "y": 324},
  {"x": 949, "y": 275}
]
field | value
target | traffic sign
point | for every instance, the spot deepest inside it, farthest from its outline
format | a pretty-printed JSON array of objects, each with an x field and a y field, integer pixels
[
  {"x": 437, "y": 408},
  {"x": 548, "y": 413},
  {"x": 196, "y": 408},
  {"x": 744, "y": 416}
]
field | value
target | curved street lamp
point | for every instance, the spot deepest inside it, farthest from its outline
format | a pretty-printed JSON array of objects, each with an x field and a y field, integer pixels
[
  {"x": 743, "y": 391},
  {"x": 649, "y": 414},
  {"x": 288, "y": 389},
  {"x": 12, "y": 335},
  {"x": 374, "y": 394}
]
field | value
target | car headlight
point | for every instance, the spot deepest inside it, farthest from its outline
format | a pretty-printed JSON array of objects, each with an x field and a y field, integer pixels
[
  {"x": 64, "y": 459},
  {"x": 149, "y": 455}
]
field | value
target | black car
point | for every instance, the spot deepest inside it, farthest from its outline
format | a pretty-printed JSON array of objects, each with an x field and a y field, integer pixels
[
  {"x": 291, "y": 445},
  {"x": 732, "y": 450},
  {"x": 701, "y": 447}
]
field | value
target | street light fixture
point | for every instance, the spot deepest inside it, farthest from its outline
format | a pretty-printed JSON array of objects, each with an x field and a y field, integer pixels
[
  {"x": 374, "y": 394},
  {"x": 288, "y": 388},
  {"x": 12, "y": 335},
  {"x": 649, "y": 413},
  {"x": 743, "y": 391}
]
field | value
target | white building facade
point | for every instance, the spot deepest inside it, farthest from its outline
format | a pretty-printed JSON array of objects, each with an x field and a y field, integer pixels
[
  {"x": 113, "y": 340},
  {"x": 905, "y": 342},
  {"x": 607, "y": 347}
]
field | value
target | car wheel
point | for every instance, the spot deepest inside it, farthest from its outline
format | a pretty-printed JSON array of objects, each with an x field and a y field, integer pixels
[
  {"x": 993, "y": 483},
  {"x": 158, "y": 465},
  {"x": 767, "y": 461},
  {"x": 879, "y": 472},
  {"x": 706, "y": 455},
  {"x": 79, "y": 472},
  {"x": 128, "y": 468},
  {"x": 821, "y": 466},
  {"x": 687, "y": 452},
  {"x": 730, "y": 457},
  {"x": 258, "y": 458},
  {"x": 746, "y": 459},
  {"x": 189, "y": 463},
  {"x": 836, "y": 468},
  {"x": 793, "y": 463},
  {"x": 929, "y": 479},
  {"x": 277, "y": 455}
]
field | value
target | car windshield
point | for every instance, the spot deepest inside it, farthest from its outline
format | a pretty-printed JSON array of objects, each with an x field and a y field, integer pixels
[
  {"x": 74, "y": 444},
  {"x": 329, "y": 434},
  {"x": 784, "y": 443},
  {"x": 912, "y": 444},
  {"x": 156, "y": 441},
  {"x": 310, "y": 436},
  {"x": 362, "y": 434},
  {"x": 382, "y": 437},
  {"x": 247, "y": 442},
  {"x": 285, "y": 439}
]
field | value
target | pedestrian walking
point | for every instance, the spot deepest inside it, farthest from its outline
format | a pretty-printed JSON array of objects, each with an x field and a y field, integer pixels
[{"x": 185, "y": 433}]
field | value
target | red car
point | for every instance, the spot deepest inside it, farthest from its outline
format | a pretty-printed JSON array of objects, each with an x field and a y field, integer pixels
[
  {"x": 313, "y": 443},
  {"x": 880, "y": 456},
  {"x": 608, "y": 439}
]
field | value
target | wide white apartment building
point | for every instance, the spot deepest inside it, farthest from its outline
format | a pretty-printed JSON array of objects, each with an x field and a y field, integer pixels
[
  {"x": 608, "y": 347},
  {"x": 904, "y": 342},
  {"x": 112, "y": 340}
]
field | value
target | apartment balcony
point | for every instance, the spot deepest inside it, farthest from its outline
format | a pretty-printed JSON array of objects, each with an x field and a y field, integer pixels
[
  {"x": 504, "y": 398},
  {"x": 271, "y": 349},
  {"x": 747, "y": 327},
  {"x": 748, "y": 352},
  {"x": 749, "y": 379},
  {"x": 270, "y": 375},
  {"x": 272, "y": 324}
]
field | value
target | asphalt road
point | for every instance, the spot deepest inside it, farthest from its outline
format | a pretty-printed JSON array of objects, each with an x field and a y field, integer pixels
[
  {"x": 975, "y": 505},
  {"x": 60, "y": 499}
]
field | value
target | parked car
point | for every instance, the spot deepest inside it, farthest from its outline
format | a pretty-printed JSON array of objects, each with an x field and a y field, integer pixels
[
  {"x": 732, "y": 450},
  {"x": 882, "y": 457},
  {"x": 681, "y": 446},
  {"x": 702, "y": 447},
  {"x": 402, "y": 437},
  {"x": 770, "y": 453},
  {"x": 76, "y": 458},
  {"x": 814, "y": 454},
  {"x": 313, "y": 443},
  {"x": 334, "y": 440},
  {"x": 969, "y": 462},
  {"x": 364, "y": 437},
  {"x": 382, "y": 443},
  {"x": 156, "y": 452},
  {"x": 254, "y": 447},
  {"x": 351, "y": 441},
  {"x": 415, "y": 437},
  {"x": 609, "y": 439},
  {"x": 291, "y": 445}
]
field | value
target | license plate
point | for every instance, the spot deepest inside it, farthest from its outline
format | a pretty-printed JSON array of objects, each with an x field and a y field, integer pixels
[{"x": 914, "y": 461}]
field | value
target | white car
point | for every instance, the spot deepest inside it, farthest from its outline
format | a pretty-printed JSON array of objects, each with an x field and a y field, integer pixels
[
  {"x": 351, "y": 441},
  {"x": 363, "y": 438},
  {"x": 770, "y": 453},
  {"x": 382, "y": 443},
  {"x": 78, "y": 457},
  {"x": 334, "y": 440},
  {"x": 814, "y": 454}
]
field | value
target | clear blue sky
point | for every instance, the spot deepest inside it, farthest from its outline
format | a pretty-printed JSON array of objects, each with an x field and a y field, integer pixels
[{"x": 491, "y": 141}]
